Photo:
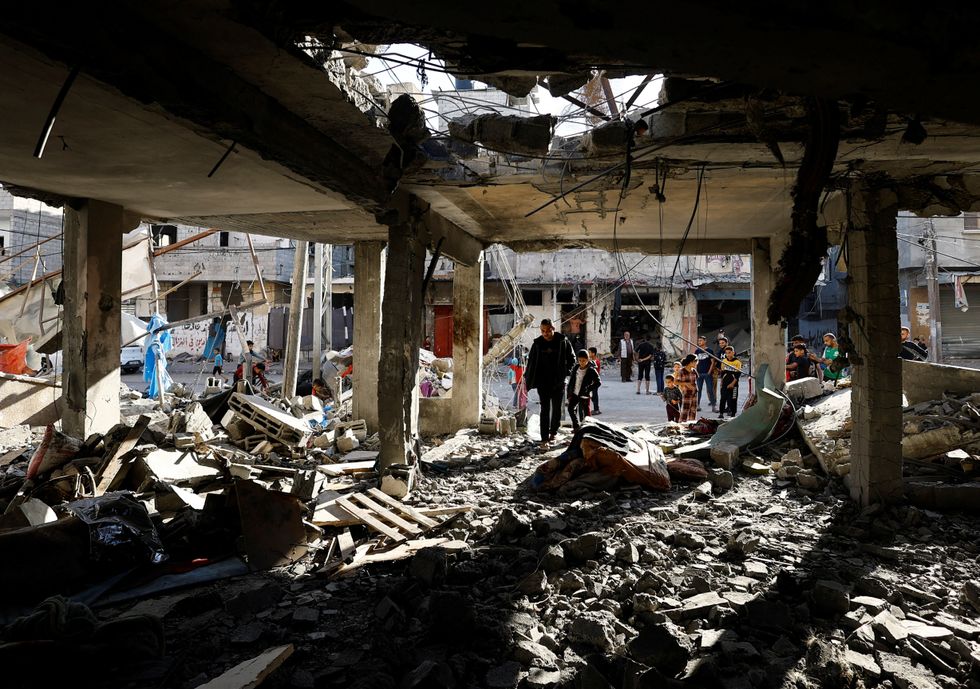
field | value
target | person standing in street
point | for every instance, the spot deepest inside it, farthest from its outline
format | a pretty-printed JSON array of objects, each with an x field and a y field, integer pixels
[
  {"x": 548, "y": 362},
  {"x": 659, "y": 364},
  {"x": 583, "y": 379},
  {"x": 644, "y": 362},
  {"x": 687, "y": 381},
  {"x": 626, "y": 357},
  {"x": 705, "y": 369},
  {"x": 731, "y": 371},
  {"x": 594, "y": 358}
]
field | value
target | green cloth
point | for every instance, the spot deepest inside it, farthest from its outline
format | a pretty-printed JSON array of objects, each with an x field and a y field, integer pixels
[{"x": 831, "y": 353}]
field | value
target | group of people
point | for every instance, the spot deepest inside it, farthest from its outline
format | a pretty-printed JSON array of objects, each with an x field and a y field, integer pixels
[
  {"x": 802, "y": 363},
  {"x": 703, "y": 370},
  {"x": 550, "y": 361},
  {"x": 257, "y": 379}
]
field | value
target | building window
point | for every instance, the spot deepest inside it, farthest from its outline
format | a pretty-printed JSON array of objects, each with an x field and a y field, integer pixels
[
  {"x": 163, "y": 235},
  {"x": 222, "y": 239},
  {"x": 971, "y": 222},
  {"x": 532, "y": 297},
  {"x": 3, "y": 245}
]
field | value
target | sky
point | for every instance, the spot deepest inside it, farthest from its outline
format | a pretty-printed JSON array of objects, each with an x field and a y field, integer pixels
[{"x": 390, "y": 73}]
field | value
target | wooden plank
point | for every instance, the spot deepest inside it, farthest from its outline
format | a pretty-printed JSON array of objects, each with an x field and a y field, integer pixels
[
  {"x": 345, "y": 543},
  {"x": 440, "y": 511},
  {"x": 369, "y": 519},
  {"x": 364, "y": 556},
  {"x": 386, "y": 514},
  {"x": 345, "y": 468},
  {"x": 404, "y": 509},
  {"x": 252, "y": 672},
  {"x": 113, "y": 471}
]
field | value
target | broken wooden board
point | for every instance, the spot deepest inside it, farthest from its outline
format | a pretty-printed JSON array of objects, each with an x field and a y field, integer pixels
[
  {"x": 179, "y": 466},
  {"x": 364, "y": 556},
  {"x": 272, "y": 526},
  {"x": 114, "y": 469},
  {"x": 346, "y": 467},
  {"x": 328, "y": 514},
  {"x": 252, "y": 672}
]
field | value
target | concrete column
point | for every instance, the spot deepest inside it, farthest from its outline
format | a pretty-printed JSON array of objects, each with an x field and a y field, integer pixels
[
  {"x": 876, "y": 396},
  {"x": 401, "y": 333},
  {"x": 294, "y": 329},
  {"x": 369, "y": 278},
  {"x": 467, "y": 345},
  {"x": 93, "y": 287},
  {"x": 768, "y": 341}
]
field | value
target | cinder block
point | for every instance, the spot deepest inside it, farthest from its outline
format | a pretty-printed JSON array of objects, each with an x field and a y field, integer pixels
[
  {"x": 726, "y": 455},
  {"x": 803, "y": 389}
]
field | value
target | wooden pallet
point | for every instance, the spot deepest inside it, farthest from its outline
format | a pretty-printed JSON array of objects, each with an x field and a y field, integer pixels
[{"x": 387, "y": 516}]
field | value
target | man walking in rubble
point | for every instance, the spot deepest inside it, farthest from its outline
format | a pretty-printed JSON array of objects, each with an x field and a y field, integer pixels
[{"x": 548, "y": 362}]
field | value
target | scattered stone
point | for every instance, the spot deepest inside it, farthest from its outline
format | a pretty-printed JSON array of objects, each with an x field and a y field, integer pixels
[
  {"x": 510, "y": 524},
  {"x": 697, "y": 607},
  {"x": 971, "y": 594},
  {"x": 921, "y": 630},
  {"x": 725, "y": 455},
  {"x": 904, "y": 674},
  {"x": 831, "y": 597},
  {"x": 542, "y": 678},
  {"x": 531, "y": 654},
  {"x": 663, "y": 646},
  {"x": 889, "y": 628},
  {"x": 755, "y": 569},
  {"x": 742, "y": 543},
  {"x": 722, "y": 480},
  {"x": 628, "y": 553},
  {"x": 692, "y": 541},
  {"x": 553, "y": 559},
  {"x": 870, "y": 603},
  {"x": 595, "y": 629},
  {"x": 429, "y": 566},
  {"x": 534, "y": 584},
  {"x": 585, "y": 547},
  {"x": 504, "y": 676}
]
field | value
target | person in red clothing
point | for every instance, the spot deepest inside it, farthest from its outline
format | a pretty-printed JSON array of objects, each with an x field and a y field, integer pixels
[{"x": 515, "y": 377}]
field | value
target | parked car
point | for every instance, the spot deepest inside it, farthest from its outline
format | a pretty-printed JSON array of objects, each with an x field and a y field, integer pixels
[{"x": 131, "y": 359}]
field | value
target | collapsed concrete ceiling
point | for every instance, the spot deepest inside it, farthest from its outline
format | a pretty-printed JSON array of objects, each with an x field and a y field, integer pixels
[{"x": 163, "y": 94}]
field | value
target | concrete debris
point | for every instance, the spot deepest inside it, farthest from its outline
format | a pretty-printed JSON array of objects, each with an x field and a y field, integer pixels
[
  {"x": 513, "y": 134},
  {"x": 474, "y": 579}
]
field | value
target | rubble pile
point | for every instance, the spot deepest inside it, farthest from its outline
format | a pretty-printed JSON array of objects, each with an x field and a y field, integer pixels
[{"x": 750, "y": 569}]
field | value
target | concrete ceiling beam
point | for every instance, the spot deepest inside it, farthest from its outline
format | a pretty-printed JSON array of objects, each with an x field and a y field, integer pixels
[{"x": 129, "y": 50}]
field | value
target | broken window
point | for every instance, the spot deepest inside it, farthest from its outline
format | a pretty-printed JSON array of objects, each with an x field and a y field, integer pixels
[
  {"x": 3, "y": 245},
  {"x": 532, "y": 297},
  {"x": 971, "y": 222},
  {"x": 163, "y": 235},
  {"x": 222, "y": 239}
]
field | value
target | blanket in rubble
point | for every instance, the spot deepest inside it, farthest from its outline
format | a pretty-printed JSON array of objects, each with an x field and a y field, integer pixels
[{"x": 601, "y": 456}]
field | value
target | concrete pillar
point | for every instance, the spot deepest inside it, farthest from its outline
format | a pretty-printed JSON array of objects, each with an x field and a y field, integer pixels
[
  {"x": 93, "y": 287},
  {"x": 467, "y": 345},
  {"x": 768, "y": 341},
  {"x": 876, "y": 397},
  {"x": 294, "y": 329},
  {"x": 369, "y": 277},
  {"x": 401, "y": 333}
]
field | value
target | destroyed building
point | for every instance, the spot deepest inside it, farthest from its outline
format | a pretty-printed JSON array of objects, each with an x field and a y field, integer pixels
[{"x": 824, "y": 537}]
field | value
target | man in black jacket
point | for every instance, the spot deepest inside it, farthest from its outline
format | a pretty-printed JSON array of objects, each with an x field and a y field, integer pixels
[
  {"x": 582, "y": 380},
  {"x": 548, "y": 363}
]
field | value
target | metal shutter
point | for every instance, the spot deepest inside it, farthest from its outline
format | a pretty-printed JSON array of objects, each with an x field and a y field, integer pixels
[{"x": 961, "y": 329}]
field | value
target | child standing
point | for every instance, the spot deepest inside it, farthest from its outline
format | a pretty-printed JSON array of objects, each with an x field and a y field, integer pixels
[
  {"x": 515, "y": 375},
  {"x": 594, "y": 358},
  {"x": 583, "y": 379},
  {"x": 219, "y": 362},
  {"x": 672, "y": 397},
  {"x": 731, "y": 371}
]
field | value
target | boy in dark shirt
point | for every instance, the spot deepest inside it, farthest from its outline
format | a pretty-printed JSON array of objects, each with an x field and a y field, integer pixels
[
  {"x": 798, "y": 364},
  {"x": 672, "y": 397}
]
